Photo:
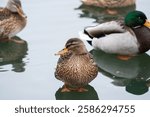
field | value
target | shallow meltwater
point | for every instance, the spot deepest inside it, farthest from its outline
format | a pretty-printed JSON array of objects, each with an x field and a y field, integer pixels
[{"x": 27, "y": 69}]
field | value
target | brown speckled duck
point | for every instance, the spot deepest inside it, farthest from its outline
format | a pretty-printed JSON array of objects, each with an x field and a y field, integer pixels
[
  {"x": 109, "y": 3},
  {"x": 76, "y": 67},
  {"x": 12, "y": 19}
]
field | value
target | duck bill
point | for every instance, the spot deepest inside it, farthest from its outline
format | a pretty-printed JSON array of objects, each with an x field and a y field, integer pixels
[
  {"x": 62, "y": 52},
  {"x": 21, "y": 13},
  {"x": 147, "y": 23}
]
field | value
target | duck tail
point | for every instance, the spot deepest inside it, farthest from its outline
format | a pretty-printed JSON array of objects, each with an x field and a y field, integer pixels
[{"x": 85, "y": 36}]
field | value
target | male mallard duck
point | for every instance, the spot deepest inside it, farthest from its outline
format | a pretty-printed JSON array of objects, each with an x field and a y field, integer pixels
[
  {"x": 129, "y": 38},
  {"x": 76, "y": 67},
  {"x": 109, "y": 3},
  {"x": 12, "y": 19}
]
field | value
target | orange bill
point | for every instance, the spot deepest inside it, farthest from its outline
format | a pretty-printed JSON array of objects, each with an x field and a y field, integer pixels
[
  {"x": 62, "y": 52},
  {"x": 147, "y": 23}
]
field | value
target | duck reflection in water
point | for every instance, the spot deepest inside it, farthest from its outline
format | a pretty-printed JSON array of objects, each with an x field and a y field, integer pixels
[
  {"x": 12, "y": 53},
  {"x": 103, "y": 14},
  {"x": 132, "y": 74},
  {"x": 91, "y": 94}
]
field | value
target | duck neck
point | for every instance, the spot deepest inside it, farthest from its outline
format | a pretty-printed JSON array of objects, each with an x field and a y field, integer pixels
[{"x": 81, "y": 51}]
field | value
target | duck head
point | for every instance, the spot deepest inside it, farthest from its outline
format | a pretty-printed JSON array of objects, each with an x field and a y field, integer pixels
[
  {"x": 16, "y": 7},
  {"x": 74, "y": 46},
  {"x": 136, "y": 19}
]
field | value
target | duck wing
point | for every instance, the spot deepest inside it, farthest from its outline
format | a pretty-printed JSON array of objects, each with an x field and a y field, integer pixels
[
  {"x": 105, "y": 29},
  {"x": 3, "y": 17},
  {"x": 4, "y": 14}
]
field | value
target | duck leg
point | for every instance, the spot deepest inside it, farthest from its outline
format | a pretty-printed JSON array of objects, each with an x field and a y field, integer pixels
[
  {"x": 111, "y": 12},
  {"x": 124, "y": 57},
  {"x": 65, "y": 88},
  {"x": 17, "y": 41},
  {"x": 81, "y": 89}
]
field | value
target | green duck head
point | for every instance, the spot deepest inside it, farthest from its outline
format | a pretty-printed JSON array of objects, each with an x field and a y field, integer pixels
[{"x": 136, "y": 18}]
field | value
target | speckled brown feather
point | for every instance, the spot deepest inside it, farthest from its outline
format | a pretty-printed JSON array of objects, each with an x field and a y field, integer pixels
[
  {"x": 76, "y": 70},
  {"x": 109, "y": 3},
  {"x": 10, "y": 23}
]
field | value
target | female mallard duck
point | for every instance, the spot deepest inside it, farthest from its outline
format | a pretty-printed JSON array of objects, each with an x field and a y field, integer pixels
[
  {"x": 76, "y": 67},
  {"x": 12, "y": 19},
  {"x": 109, "y": 3},
  {"x": 129, "y": 38}
]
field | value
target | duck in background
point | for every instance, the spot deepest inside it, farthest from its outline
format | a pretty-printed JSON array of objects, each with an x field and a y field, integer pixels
[
  {"x": 12, "y": 20},
  {"x": 126, "y": 39},
  {"x": 13, "y": 54},
  {"x": 109, "y": 4},
  {"x": 75, "y": 67}
]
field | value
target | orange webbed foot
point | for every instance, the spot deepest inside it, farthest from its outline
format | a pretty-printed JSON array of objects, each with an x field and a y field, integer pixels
[
  {"x": 17, "y": 41},
  {"x": 65, "y": 88},
  {"x": 124, "y": 57},
  {"x": 111, "y": 12},
  {"x": 81, "y": 89}
]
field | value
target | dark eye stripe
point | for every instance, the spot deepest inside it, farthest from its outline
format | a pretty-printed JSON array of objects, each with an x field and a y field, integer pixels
[{"x": 71, "y": 44}]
